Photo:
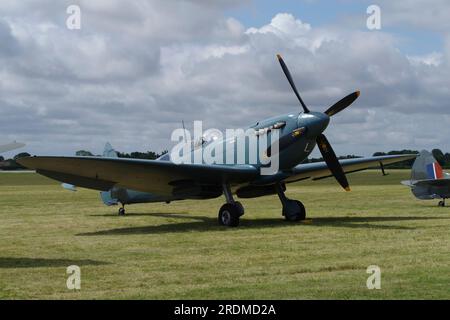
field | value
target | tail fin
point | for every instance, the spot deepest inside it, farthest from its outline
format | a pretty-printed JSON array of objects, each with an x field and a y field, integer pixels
[
  {"x": 109, "y": 152},
  {"x": 106, "y": 196},
  {"x": 426, "y": 167}
]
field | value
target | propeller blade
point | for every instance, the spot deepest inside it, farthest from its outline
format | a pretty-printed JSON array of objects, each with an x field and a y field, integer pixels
[
  {"x": 291, "y": 82},
  {"x": 332, "y": 162},
  {"x": 342, "y": 104}
]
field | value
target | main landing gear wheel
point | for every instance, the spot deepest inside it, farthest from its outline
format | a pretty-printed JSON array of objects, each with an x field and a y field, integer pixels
[
  {"x": 121, "y": 211},
  {"x": 441, "y": 203},
  {"x": 229, "y": 214},
  {"x": 231, "y": 211},
  {"x": 294, "y": 210},
  {"x": 240, "y": 208}
]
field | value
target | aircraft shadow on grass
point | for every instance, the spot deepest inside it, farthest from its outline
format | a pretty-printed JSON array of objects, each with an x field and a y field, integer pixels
[
  {"x": 21, "y": 262},
  {"x": 203, "y": 224}
]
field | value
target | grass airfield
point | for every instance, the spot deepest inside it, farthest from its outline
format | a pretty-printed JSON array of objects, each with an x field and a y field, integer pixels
[{"x": 178, "y": 251}]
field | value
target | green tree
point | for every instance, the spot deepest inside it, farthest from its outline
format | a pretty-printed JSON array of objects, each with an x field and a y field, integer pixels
[
  {"x": 21, "y": 155},
  {"x": 399, "y": 165},
  {"x": 439, "y": 156},
  {"x": 84, "y": 153},
  {"x": 447, "y": 157},
  {"x": 150, "y": 155}
]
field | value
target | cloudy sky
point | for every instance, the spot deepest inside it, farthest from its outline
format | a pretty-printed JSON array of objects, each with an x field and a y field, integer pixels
[{"x": 137, "y": 68}]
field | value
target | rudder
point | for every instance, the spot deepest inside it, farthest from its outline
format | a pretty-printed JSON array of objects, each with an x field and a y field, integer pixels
[{"x": 426, "y": 167}]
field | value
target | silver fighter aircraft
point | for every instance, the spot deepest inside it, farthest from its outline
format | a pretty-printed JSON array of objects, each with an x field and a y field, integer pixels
[{"x": 127, "y": 180}]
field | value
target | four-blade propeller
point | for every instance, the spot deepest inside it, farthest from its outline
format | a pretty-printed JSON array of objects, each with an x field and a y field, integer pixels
[{"x": 322, "y": 142}]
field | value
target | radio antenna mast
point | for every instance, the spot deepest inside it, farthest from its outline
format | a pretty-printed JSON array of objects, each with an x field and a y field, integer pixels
[{"x": 184, "y": 131}]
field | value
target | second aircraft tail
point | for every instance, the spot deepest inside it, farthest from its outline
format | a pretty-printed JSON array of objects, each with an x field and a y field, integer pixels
[{"x": 426, "y": 167}]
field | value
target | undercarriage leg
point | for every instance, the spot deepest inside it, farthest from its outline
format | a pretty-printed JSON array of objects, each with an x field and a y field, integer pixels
[
  {"x": 227, "y": 193},
  {"x": 122, "y": 210},
  {"x": 293, "y": 210}
]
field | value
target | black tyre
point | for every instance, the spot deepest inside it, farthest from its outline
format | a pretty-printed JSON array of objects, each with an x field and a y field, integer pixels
[
  {"x": 240, "y": 208},
  {"x": 295, "y": 211},
  {"x": 121, "y": 211},
  {"x": 229, "y": 215}
]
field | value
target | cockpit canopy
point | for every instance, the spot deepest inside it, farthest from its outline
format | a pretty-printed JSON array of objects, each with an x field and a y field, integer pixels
[{"x": 208, "y": 137}]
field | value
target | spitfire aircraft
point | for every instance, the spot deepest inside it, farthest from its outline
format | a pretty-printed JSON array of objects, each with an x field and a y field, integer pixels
[
  {"x": 428, "y": 180},
  {"x": 162, "y": 180}
]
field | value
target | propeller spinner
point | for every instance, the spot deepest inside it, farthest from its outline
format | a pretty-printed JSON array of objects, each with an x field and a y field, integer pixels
[{"x": 322, "y": 142}]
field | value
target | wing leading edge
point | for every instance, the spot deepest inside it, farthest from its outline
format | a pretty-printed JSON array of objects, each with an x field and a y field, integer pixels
[
  {"x": 160, "y": 177},
  {"x": 319, "y": 170}
]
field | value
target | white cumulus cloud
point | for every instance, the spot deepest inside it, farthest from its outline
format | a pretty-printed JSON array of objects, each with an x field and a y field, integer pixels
[{"x": 135, "y": 70}]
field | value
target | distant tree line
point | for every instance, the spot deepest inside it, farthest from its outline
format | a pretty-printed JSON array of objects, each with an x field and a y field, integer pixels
[
  {"x": 84, "y": 153},
  {"x": 149, "y": 155},
  {"x": 399, "y": 165},
  {"x": 441, "y": 157},
  {"x": 142, "y": 155},
  {"x": 11, "y": 164}
]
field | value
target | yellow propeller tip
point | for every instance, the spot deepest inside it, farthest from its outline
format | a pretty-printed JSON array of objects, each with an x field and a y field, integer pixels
[
  {"x": 348, "y": 189},
  {"x": 279, "y": 56},
  {"x": 358, "y": 93}
]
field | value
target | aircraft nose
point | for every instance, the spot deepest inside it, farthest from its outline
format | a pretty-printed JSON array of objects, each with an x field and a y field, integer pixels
[{"x": 315, "y": 122}]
